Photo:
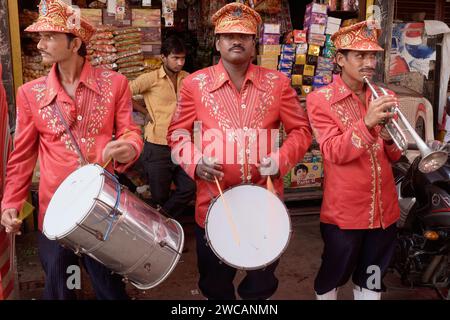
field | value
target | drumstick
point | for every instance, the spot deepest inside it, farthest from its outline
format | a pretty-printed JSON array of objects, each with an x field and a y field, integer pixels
[
  {"x": 12, "y": 254},
  {"x": 270, "y": 186},
  {"x": 229, "y": 215},
  {"x": 107, "y": 163}
]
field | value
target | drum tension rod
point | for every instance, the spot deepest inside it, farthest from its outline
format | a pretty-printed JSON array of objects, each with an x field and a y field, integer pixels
[
  {"x": 113, "y": 212},
  {"x": 97, "y": 234}
]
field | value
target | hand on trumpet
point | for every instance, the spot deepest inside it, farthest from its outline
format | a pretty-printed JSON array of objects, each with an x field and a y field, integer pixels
[
  {"x": 378, "y": 111},
  {"x": 207, "y": 168}
]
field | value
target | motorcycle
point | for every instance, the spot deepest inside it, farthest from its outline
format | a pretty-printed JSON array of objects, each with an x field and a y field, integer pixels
[{"x": 422, "y": 256}]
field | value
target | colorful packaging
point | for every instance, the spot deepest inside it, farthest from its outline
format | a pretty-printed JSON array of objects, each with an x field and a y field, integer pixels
[
  {"x": 307, "y": 175},
  {"x": 299, "y": 36},
  {"x": 269, "y": 39},
  {"x": 298, "y": 68},
  {"x": 317, "y": 8},
  {"x": 334, "y": 20},
  {"x": 314, "y": 50},
  {"x": 312, "y": 60},
  {"x": 271, "y": 28},
  {"x": 288, "y": 48},
  {"x": 332, "y": 28},
  {"x": 302, "y": 48},
  {"x": 317, "y": 28},
  {"x": 324, "y": 63},
  {"x": 297, "y": 80},
  {"x": 286, "y": 72},
  {"x": 288, "y": 56},
  {"x": 306, "y": 90},
  {"x": 285, "y": 64},
  {"x": 308, "y": 80},
  {"x": 300, "y": 59},
  {"x": 319, "y": 18},
  {"x": 309, "y": 70}
]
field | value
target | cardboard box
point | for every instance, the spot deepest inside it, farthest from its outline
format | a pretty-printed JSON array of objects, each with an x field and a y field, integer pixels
[
  {"x": 151, "y": 35},
  {"x": 307, "y": 175},
  {"x": 110, "y": 19},
  {"x": 268, "y": 61},
  {"x": 147, "y": 18},
  {"x": 271, "y": 49},
  {"x": 93, "y": 16}
]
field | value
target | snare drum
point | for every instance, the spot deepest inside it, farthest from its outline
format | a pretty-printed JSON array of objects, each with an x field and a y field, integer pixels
[
  {"x": 91, "y": 213},
  {"x": 250, "y": 230}
]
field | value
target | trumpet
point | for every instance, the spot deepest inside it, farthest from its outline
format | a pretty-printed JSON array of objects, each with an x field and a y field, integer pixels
[{"x": 431, "y": 160}]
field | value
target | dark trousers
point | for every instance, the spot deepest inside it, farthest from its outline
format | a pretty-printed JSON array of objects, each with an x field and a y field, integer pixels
[
  {"x": 350, "y": 253},
  {"x": 216, "y": 277},
  {"x": 161, "y": 171},
  {"x": 55, "y": 260}
]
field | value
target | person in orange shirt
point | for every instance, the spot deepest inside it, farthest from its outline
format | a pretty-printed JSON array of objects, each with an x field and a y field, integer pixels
[
  {"x": 360, "y": 206},
  {"x": 6, "y": 274},
  {"x": 93, "y": 104},
  {"x": 160, "y": 89},
  {"x": 218, "y": 103}
]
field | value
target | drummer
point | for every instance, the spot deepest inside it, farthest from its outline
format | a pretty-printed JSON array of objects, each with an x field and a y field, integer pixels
[
  {"x": 93, "y": 104},
  {"x": 238, "y": 107}
]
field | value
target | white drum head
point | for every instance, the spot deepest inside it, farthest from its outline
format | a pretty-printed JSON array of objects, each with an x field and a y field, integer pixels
[
  {"x": 253, "y": 232},
  {"x": 72, "y": 201}
]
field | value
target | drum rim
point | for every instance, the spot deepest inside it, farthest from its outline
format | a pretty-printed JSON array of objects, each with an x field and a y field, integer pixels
[
  {"x": 240, "y": 267},
  {"x": 69, "y": 231}
]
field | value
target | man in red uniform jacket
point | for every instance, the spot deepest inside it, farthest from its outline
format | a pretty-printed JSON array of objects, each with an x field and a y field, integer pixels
[
  {"x": 229, "y": 98},
  {"x": 359, "y": 207},
  {"x": 95, "y": 104}
]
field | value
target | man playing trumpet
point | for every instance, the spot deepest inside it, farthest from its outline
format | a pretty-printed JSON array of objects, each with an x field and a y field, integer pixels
[{"x": 359, "y": 209}]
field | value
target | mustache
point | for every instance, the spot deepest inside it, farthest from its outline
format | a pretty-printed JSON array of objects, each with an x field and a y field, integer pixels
[
  {"x": 367, "y": 70},
  {"x": 237, "y": 46},
  {"x": 42, "y": 51}
]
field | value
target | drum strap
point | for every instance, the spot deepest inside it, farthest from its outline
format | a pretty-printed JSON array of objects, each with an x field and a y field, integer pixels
[{"x": 72, "y": 138}]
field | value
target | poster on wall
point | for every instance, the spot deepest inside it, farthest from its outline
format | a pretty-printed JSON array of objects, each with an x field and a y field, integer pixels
[{"x": 410, "y": 51}]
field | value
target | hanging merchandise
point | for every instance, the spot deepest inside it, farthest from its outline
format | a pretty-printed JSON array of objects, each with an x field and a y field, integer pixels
[
  {"x": 146, "y": 3},
  {"x": 111, "y": 7},
  {"x": 168, "y": 8},
  {"x": 120, "y": 10},
  {"x": 268, "y": 6}
]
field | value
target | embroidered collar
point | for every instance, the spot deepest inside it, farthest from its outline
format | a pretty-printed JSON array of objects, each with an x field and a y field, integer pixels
[
  {"x": 53, "y": 85},
  {"x": 221, "y": 76}
]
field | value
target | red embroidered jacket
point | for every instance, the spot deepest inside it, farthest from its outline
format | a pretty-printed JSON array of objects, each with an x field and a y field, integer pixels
[
  {"x": 359, "y": 189},
  {"x": 233, "y": 121}
]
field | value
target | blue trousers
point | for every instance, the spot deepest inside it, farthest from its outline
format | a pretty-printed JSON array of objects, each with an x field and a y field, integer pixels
[
  {"x": 216, "y": 277},
  {"x": 55, "y": 260},
  {"x": 350, "y": 253}
]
